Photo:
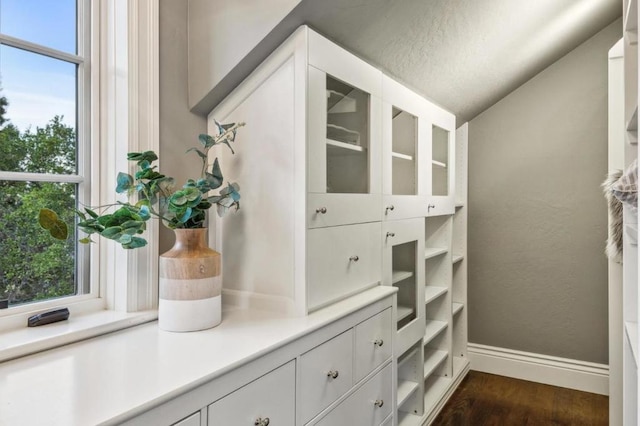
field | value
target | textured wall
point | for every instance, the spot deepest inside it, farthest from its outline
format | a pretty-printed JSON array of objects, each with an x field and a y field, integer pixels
[
  {"x": 179, "y": 129},
  {"x": 537, "y": 218}
]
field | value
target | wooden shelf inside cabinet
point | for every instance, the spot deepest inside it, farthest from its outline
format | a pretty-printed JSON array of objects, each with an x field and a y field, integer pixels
[
  {"x": 631, "y": 22},
  {"x": 397, "y": 276},
  {"x": 439, "y": 164},
  {"x": 408, "y": 419},
  {"x": 456, "y": 258},
  {"x": 343, "y": 148},
  {"x": 631, "y": 329},
  {"x": 403, "y": 312},
  {"x": 402, "y": 156},
  {"x": 456, "y": 308},
  {"x": 405, "y": 389},
  {"x": 432, "y": 292},
  {"x": 432, "y": 359},
  {"x": 433, "y": 328},
  {"x": 430, "y": 252}
]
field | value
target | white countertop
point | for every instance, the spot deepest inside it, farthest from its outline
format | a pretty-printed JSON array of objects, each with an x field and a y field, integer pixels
[{"x": 127, "y": 372}]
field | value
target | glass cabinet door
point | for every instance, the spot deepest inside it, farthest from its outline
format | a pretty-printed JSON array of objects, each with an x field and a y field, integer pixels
[
  {"x": 442, "y": 162},
  {"x": 439, "y": 162},
  {"x": 404, "y": 141}
]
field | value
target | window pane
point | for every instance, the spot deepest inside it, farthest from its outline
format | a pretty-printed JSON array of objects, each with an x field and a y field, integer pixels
[
  {"x": 40, "y": 134},
  {"x": 33, "y": 265},
  {"x": 46, "y": 22}
]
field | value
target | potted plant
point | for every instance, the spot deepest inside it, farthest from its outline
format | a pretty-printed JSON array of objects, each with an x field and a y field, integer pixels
[{"x": 189, "y": 294}]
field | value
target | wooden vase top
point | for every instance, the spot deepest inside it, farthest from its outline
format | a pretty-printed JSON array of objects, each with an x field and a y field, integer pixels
[{"x": 190, "y": 257}]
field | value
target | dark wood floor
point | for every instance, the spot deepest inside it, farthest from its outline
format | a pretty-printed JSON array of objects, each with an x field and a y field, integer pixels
[{"x": 486, "y": 400}]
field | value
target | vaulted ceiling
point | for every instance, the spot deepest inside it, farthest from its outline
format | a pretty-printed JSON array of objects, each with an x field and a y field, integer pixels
[{"x": 462, "y": 54}]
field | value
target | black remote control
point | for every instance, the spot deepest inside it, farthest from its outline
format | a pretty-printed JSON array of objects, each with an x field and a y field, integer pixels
[{"x": 48, "y": 317}]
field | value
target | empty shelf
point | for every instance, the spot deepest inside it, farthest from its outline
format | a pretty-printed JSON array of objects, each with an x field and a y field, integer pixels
[
  {"x": 405, "y": 389},
  {"x": 344, "y": 147},
  {"x": 435, "y": 388},
  {"x": 456, "y": 308},
  {"x": 432, "y": 330},
  {"x": 432, "y": 359},
  {"x": 402, "y": 156},
  {"x": 457, "y": 258},
  {"x": 431, "y": 293},
  {"x": 430, "y": 252},
  {"x": 404, "y": 312},
  {"x": 397, "y": 276},
  {"x": 438, "y": 163},
  {"x": 408, "y": 419},
  {"x": 338, "y": 103}
]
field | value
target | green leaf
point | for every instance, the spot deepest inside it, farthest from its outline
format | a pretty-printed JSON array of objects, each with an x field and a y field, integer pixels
[
  {"x": 85, "y": 240},
  {"x": 124, "y": 182},
  {"x": 215, "y": 178},
  {"x": 91, "y": 212},
  {"x": 206, "y": 140},
  {"x": 49, "y": 220},
  {"x": 125, "y": 239},
  {"x": 113, "y": 232},
  {"x": 200, "y": 153},
  {"x": 136, "y": 242},
  {"x": 142, "y": 156}
]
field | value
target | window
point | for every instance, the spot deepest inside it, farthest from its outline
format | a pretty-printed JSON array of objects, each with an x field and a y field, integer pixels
[
  {"x": 45, "y": 97},
  {"x": 113, "y": 104}
]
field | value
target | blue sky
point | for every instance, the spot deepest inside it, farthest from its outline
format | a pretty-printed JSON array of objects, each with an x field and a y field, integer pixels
[{"x": 38, "y": 87}]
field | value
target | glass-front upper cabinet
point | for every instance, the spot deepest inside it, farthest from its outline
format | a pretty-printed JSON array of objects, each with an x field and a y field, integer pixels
[
  {"x": 442, "y": 163},
  {"x": 344, "y": 137},
  {"x": 404, "y": 151}
]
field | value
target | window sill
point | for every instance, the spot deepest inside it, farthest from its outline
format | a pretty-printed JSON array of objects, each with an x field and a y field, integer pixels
[{"x": 29, "y": 340}]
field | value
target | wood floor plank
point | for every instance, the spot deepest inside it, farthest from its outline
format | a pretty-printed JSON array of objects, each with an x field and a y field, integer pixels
[{"x": 486, "y": 400}]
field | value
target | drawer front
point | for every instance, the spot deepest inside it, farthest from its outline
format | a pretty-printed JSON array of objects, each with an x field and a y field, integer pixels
[
  {"x": 373, "y": 343},
  {"x": 370, "y": 405},
  {"x": 325, "y": 210},
  {"x": 271, "y": 397},
  {"x": 342, "y": 260},
  {"x": 438, "y": 206},
  {"x": 192, "y": 420},
  {"x": 325, "y": 375},
  {"x": 396, "y": 207}
]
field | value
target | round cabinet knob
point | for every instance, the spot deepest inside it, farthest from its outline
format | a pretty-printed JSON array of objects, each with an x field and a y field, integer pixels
[
  {"x": 391, "y": 234},
  {"x": 261, "y": 422},
  {"x": 333, "y": 374},
  {"x": 354, "y": 258},
  {"x": 378, "y": 403},
  {"x": 378, "y": 342},
  {"x": 321, "y": 210}
]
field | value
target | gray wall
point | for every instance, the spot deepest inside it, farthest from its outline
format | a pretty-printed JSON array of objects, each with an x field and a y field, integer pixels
[
  {"x": 537, "y": 217},
  {"x": 179, "y": 129}
]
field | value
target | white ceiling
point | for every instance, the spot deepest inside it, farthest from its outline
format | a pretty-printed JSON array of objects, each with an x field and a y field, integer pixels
[{"x": 463, "y": 54}]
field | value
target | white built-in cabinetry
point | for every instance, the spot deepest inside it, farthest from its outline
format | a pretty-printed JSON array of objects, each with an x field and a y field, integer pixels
[{"x": 349, "y": 181}]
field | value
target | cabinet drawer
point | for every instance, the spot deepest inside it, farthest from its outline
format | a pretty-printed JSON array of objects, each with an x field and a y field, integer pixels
[
  {"x": 438, "y": 206},
  {"x": 325, "y": 375},
  {"x": 373, "y": 343},
  {"x": 368, "y": 406},
  {"x": 342, "y": 260},
  {"x": 342, "y": 209},
  {"x": 271, "y": 396},
  {"x": 192, "y": 420},
  {"x": 396, "y": 207}
]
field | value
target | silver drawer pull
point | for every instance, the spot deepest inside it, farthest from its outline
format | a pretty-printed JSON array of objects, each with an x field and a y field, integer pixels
[
  {"x": 333, "y": 374},
  {"x": 378, "y": 403},
  {"x": 321, "y": 210},
  {"x": 378, "y": 342},
  {"x": 430, "y": 206},
  {"x": 354, "y": 258},
  {"x": 261, "y": 422},
  {"x": 391, "y": 234},
  {"x": 388, "y": 209}
]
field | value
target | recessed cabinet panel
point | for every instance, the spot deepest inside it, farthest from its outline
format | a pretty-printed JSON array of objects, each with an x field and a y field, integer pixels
[
  {"x": 272, "y": 397},
  {"x": 325, "y": 374},
  {"x": 342, "y": 260}
]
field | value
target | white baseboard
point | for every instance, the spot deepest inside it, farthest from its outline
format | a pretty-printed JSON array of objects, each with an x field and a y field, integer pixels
[{"x": 563, "y": 372}]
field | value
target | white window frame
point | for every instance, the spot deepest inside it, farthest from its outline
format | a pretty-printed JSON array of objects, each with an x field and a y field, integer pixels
[{"x": 124, "y": 117}]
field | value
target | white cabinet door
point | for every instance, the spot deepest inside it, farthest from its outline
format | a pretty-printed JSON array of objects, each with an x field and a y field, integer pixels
[
  {"x": 405, "y": 151},
  {"x": 343, "y": 134},
  {"x": 325, "y": 374},
  {"x": 342, "y": 260},
  {"x": 373, "y": 343},
  {"x": 267, "y": 400},
  {"x": 368, "y": 406},
  {"x": 442, "y": 162}
]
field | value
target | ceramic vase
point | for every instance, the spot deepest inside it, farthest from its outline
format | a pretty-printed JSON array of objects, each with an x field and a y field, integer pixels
[{"x": 189, "y": 285}]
